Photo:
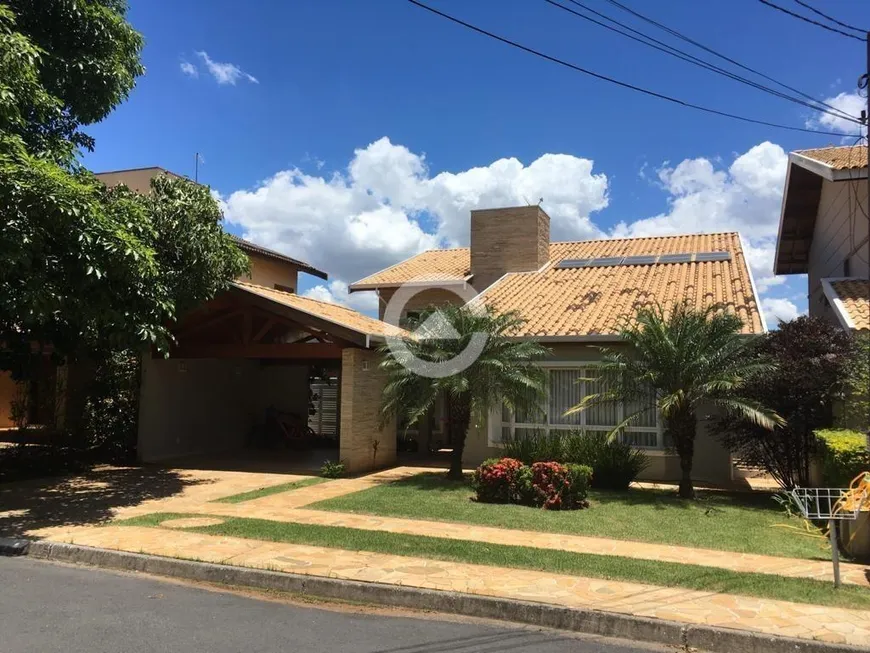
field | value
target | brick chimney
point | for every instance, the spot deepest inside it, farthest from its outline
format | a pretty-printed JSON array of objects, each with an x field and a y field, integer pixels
[{"x": 512, "y": 239}]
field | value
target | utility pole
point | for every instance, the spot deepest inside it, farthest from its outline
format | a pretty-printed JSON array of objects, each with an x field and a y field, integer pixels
[{"x": 196, "y": 158}]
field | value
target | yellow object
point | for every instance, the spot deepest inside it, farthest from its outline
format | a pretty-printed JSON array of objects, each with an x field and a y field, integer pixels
[{"x": 857, "y": 497}]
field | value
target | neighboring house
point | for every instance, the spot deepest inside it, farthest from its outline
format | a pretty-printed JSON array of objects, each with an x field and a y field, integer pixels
[
  {"x": 823, "y": 232},
  {"x": 574, "y": 297}
]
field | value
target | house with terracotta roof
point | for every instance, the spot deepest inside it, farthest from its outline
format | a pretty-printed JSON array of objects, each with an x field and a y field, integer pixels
[
  {"x": 574, "y": 296},
  {"x": 823, "y": 232}
]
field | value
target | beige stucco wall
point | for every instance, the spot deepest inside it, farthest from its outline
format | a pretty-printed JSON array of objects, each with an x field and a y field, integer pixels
[
  {"x": 840, "y": 228},
  {"x": 712, "y": 461},
  {"x": 424, "y": 299},
  {"x": 362, "y": 384},
  {"x": 7, "y": 395},
  {"x": 137, "y": 180},
  {"x": 191, "y": 406},
  {"x": 267, "y": 271}
]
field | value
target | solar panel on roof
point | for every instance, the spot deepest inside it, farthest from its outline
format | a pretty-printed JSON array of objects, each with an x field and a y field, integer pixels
[
  {"x": 574, "y": 263},
  {"x": 643, "y": 259},
  {"x": 648, "y": 259},
  {"x": 675, "y": 258},
  {"x": 606, "y": 261},
  {"x": 712, "y": 256}
]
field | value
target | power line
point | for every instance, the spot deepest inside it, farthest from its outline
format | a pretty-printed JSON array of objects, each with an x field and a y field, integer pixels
[
  {"x": 730, "y": 60},
  {"x": 830, "y": 18},
  {"x": 605, "y": 78},
  {"x": 810, "y": 20},
  {"x": 690, "y": 58}
]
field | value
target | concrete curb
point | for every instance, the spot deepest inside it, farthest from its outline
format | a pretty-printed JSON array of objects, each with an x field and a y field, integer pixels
[{"x": 594, "y": 622}]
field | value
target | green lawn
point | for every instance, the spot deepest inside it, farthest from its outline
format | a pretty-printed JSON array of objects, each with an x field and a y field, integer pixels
[
  {"x": 652, "y": 572},
  {"x": 748, "y": 523},
  {"x": 272, "y": 489}
]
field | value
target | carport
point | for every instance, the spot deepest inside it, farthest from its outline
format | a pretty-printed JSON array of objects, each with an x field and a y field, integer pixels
[{"x": 262, "y": 371}]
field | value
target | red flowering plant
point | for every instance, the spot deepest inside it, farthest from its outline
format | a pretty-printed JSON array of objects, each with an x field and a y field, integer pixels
[
  {"x": 559, "y": 487},
  {"x": 495, "y": 481}
]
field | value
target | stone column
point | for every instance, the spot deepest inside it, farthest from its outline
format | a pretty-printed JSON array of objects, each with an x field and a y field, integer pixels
[{"x": 364, "y": 444}]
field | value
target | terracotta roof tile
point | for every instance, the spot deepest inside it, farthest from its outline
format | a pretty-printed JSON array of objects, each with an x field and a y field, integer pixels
[
  {"x": 433, "y": 265},
  {"x": 847, "y": 157},
  {"x": 597, "y": 300},
  {"x": 340, "y": 315},
  {"x": 854, "y": 295}
]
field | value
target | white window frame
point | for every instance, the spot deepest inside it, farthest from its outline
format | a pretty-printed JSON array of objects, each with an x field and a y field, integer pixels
[{"x": 496, "y": 422}]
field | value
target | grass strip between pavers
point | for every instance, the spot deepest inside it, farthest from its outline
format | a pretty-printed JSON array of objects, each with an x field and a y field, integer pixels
[
  {"x": 743, "y": 522},
  {"x": 652, "y": 572},
  {"x": 273, "y": 489}
]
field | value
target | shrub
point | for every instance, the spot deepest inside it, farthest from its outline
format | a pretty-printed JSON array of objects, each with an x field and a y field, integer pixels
[
  {"x": 534, "y": 448},
  {"x": 559, "y": 487},
  {"x": 496, "y": 480},
  {"x": 614, "y": 464},
  {"x": 812, "y": 359},
  {"x": 843, "y": 455},
  {"x": 333, "y": 469}
]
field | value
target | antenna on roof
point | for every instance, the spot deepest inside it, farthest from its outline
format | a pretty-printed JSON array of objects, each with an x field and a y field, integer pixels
[
  {"x": 540, "y": 201},
  {"x": 196, "y": 159}
]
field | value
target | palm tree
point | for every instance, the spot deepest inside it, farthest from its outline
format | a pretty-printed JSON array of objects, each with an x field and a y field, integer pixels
[
  {"x": 470, "y": 357},
  {"x": 678, "y": 364}
]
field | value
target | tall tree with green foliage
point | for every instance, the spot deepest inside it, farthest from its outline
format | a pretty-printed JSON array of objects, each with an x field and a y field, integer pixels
[
  {"x": 503, "y": 370},
  {"x": 87, "y": 268},
  {"x": 681, "y": 363}
]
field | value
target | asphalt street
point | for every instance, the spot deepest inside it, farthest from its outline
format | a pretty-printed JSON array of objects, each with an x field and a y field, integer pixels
[{"x": 46, "y": 607}]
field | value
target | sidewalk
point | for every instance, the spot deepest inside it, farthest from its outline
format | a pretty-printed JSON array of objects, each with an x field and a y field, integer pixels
[{"x": 780, "y": 618}]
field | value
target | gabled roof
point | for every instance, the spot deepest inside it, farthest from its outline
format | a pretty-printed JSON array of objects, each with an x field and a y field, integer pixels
[
  {"x": 436, "y": 265},
  {"x": 594, "y": 302},
  {"x": 807, "y": 171},
  {"x": 253, "y": 248},
  {"x": 336, "y": 314},
  {"x": 851, "y": 301}
]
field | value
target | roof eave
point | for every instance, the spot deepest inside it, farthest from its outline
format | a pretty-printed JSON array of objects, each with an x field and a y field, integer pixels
[
  {"x": 839, "y": 307},
  {"x": 437, "y": 283},
  {"x": 363, "y": 336}
]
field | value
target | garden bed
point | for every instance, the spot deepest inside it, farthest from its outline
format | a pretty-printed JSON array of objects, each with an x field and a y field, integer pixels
[{"x": 741, "y": 522}]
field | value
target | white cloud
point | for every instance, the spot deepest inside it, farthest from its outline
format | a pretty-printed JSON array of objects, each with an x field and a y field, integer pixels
[
  {"x": 745, "y": 197},
  {"x": 850, "y": 103},
  {"x": 778, "y": 309},
  {"x": 336, "y": 292},
  {"x": 189, "y": 69},
  {"x": 387, "y": 207},
  {"x": 225, "y": 73}
]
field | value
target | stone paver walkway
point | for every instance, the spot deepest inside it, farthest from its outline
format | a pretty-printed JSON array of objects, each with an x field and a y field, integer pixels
[
  {"x": 760, "y": 615},
  {"x": 289, "y": 507}
]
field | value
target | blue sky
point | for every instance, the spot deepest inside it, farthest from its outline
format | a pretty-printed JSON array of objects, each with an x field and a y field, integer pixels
[{"x": 422, "y": 102}]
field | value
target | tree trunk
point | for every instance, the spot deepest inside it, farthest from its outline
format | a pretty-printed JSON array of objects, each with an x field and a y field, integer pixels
[
  {"x": 682, "y": 431},
  {"x": 460, "y": 419}
]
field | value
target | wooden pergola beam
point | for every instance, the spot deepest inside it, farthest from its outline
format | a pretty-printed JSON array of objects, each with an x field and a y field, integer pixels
[{"x": 318, "y": 351}]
